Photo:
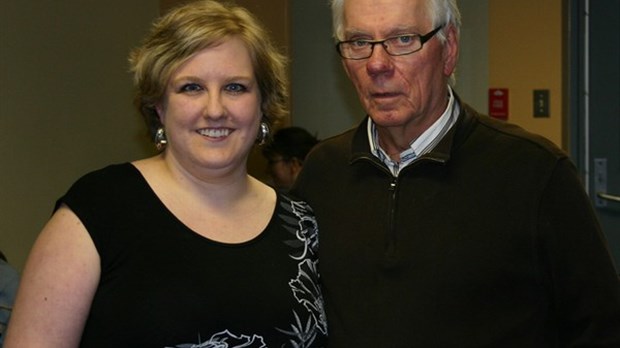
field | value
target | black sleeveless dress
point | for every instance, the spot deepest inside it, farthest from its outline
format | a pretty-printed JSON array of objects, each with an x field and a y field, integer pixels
[{"x": 163, "y": 285}]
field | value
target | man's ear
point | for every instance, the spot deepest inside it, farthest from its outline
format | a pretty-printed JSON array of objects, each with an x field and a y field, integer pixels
[{"x": 450, "y": 51}]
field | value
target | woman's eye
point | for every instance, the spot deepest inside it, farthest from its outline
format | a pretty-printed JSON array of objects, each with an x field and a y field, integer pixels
[
  {"x": 191, "y": 87},
  {"x": 236, "y": 88}
]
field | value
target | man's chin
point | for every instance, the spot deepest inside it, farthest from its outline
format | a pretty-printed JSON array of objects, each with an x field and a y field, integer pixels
[{"x": 386, "y": 117}]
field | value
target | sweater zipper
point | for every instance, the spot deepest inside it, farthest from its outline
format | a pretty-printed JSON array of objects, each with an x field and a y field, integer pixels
[
  {"x": 391, "y": 252},
  {"x": 390, "y": 257}
]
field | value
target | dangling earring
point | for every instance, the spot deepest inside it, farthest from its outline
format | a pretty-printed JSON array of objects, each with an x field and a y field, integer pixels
[
  {"x": 160, "y": 139},
  {"x": 263, "y": 133}
]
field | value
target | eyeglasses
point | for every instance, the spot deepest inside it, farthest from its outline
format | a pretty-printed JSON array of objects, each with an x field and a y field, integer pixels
[{"x": 395, "y": 46}]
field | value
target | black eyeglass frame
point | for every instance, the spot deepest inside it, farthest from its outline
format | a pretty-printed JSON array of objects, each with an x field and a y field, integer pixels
[{"x": 423, "y": 39}]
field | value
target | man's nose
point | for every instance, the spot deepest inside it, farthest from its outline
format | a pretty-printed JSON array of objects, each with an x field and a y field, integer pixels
[{"x": 380, "y": 60}]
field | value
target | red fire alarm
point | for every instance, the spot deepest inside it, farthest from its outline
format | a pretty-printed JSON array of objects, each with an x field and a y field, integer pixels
[{"x": 498, "y": 103}]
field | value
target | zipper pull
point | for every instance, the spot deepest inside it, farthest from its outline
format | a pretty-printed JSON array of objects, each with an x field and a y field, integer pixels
[{"x": 393, "y": 185}]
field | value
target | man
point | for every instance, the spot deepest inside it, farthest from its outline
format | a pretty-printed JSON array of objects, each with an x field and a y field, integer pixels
[{"x": 441, "y": 227}]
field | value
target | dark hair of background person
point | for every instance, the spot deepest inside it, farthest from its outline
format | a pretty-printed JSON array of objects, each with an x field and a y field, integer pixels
[{"x": 290, "y": 142}]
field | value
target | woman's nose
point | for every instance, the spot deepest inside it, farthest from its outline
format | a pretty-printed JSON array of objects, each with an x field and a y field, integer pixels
[{"x": 214, "y": 106}]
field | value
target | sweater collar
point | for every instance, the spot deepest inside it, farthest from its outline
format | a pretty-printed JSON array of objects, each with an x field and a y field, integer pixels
[{"x": 439, "y": 154}]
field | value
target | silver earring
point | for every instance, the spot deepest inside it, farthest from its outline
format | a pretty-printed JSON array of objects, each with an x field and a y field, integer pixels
[
  {"x": 263, "y": 133},
  {"x": 160, "y": 139}
]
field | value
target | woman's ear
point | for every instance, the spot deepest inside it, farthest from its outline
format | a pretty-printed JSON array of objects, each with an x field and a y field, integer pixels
[{"x": 160, "y": 112}]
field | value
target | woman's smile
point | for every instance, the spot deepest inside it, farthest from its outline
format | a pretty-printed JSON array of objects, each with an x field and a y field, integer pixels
[{"x": 215, "y": 132}]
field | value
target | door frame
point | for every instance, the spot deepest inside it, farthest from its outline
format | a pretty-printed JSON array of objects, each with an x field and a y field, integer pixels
[{"x": 578, "y": 58}]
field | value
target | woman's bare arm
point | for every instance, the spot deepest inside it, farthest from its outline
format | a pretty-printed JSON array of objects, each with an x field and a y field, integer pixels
[{"x": 57, "y": 286}]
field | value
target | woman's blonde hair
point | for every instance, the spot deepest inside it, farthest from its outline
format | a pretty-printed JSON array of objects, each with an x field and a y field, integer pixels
[{"x": 187, "y": 29}]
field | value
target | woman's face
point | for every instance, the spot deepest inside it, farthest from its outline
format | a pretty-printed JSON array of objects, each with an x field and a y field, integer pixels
[{"x": 212, "y": 109}]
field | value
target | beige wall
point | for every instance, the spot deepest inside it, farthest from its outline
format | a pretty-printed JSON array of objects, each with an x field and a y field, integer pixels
[
  {"x": 525, "y": 53},
  {"x": 65, "y": 103},
  {"x": 273, "y": 13}
]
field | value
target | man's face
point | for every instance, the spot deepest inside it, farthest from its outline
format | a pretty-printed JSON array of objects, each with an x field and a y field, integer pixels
[{"x": 410, "y": 91}]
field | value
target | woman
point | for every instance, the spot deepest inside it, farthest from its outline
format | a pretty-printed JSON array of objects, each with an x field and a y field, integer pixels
[{"x": 183, "y": 249}]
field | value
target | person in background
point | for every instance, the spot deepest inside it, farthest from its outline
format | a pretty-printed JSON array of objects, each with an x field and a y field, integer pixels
[
  {"x": 184, "y": 248},
  {"x": 442, "y": 227},
  {"x": 9, "y": 281},
  {"x": 286, "y": 153}
]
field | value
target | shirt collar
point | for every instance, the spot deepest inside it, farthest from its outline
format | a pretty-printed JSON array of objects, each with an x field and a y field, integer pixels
[{"x": 422, "y": 144}]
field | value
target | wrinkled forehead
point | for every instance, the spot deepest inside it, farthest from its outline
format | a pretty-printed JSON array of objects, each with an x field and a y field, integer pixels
[{"x": 383, "y": 17}]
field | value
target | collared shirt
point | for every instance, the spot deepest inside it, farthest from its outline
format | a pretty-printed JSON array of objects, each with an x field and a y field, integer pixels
[{"x": 422, "y": 144}]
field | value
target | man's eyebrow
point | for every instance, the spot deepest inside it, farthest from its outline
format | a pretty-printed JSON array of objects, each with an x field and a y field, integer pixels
[{"x": 393, "y": 31}]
